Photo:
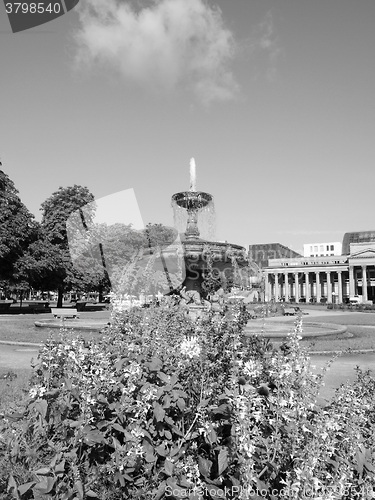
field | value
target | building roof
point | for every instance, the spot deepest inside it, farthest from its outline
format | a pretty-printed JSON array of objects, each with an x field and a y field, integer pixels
[{"x": 356, "y": 237}]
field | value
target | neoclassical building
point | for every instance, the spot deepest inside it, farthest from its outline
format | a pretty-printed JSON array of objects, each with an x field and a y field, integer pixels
[{"x": 331, "y": 279}]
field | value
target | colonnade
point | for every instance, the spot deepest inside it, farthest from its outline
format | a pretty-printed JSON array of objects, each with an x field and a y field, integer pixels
[
  {"x": 310, "y": 284},
  {"x": 306, "y": 285}
]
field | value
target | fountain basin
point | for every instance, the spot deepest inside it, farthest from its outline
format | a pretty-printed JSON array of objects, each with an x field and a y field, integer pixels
[{"x": 192, "y": 200}]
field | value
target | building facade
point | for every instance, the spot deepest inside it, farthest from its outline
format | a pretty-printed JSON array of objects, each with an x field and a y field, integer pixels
[
  {"x": 322, "y": 249},
  {"x": 330, "y": 279},
  {"x": 261, "y": 253}
]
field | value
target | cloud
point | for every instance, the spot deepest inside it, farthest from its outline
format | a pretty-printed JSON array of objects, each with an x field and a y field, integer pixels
[
  {"x": 167, "y": 44},
  {"x": 265, "y": 44}
]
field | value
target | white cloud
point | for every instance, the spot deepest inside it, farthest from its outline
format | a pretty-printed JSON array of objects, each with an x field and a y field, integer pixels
[
  {"x": 265, "y": 47},
  {"x": 168, "y": 45}
]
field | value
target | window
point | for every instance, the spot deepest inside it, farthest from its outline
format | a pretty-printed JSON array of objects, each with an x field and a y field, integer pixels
[
  {"x": 327, "y": 248},
  {"x": 332, "y": 247}
]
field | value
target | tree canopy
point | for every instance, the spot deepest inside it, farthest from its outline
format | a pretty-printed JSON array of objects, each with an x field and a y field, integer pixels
[
  {"x": 47, "y": 263},
  {"x": 17, "y": 227}
]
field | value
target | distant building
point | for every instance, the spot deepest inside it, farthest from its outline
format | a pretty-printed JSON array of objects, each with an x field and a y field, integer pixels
[
  {"x": 357, "y": 237},
  {"x": 263, "y": 252},
  {"x": 322, "y": 249},
  {"x": 332, "y": 278}
]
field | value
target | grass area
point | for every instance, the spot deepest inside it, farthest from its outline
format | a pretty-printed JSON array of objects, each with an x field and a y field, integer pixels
[
  {"x": 21, "y": 328},
  {"x": 360, "y": 333},
  {"x": 361, "y": 329}
]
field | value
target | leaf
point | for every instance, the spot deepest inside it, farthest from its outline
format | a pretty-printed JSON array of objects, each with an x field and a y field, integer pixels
[
  {"x": 155, "y": 365},
  {"x": 161, "y": 450},
  {"x": 41, "y": 407},
  {"x": 44, "y": 471},
  {"x": 222, "y": 461},
  {"x": 14, "y": 417},
  {"x": 150, "y": 457},
  {"x": 204, "y": 466},
  {"x": 60, "y": 467},
  {"x": 46, "y": 485},
  {"x": 91, "y": 494},
  {"x": 168, "y": 435},
  {"x": 174, "y": 451},
  {"x": 159, "y": 412},
  {"x": 94, "y": 436},
  {"x": 12, "y": 487},
  {"x": 160, "y": 491},
  {"x": 168, "y": 467},
  {"x": 163, "y": 377},
  {"x": 26, "y": 487},
  {"x": 181, "y": 404},
  {"x": 149, "y": 451},
  {"x": 166, "y": 401},
  {"x": 119, "y": 363},
  {"x": 79, "y": 489},
  {"x": 212, "y": 436},
  {"x": 119, "y": 477},
  {"x": 118, "y": 427}
]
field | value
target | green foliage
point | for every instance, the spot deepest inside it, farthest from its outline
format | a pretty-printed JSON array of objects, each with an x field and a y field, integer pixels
[
  {"x": 17, "y": 227},
  {"x": 58, "y": 207},
  {"x": 164, "y": 407},
  {"x": 47, "y": 265}
]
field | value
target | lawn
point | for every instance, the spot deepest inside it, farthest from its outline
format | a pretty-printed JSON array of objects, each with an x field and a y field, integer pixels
[
  {"x": 360, "y": 333},
  {"x": 21, "y": 328}
]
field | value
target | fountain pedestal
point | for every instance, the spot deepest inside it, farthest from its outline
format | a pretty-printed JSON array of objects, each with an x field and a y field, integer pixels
[{"x": 196, "y": 263}]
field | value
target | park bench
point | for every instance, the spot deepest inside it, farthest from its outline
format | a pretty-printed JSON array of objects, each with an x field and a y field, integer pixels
[
  {"x": 5, "y": 305},
  {"x": 64, "y": 313},
  {"x": 34, "y": 308},
  {"x": 290, "y": 311}
]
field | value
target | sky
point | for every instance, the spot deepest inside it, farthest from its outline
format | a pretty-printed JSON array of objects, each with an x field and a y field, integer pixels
[{"x": 273, "y": 98}]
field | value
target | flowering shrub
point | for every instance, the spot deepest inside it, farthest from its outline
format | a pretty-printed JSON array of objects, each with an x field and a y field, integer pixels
[{"x": 167, "y": 408}]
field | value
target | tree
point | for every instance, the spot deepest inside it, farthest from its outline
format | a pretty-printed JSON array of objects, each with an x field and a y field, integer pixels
[
  {"x": 50, "y": 257},
  {"x": 17, "y": 227}
]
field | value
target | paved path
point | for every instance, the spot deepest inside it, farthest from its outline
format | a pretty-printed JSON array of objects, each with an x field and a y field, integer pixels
[{"x": 342, "y": 369}]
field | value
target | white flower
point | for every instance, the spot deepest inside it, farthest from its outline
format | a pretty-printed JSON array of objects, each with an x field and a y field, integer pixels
[
  {"x": 190, "y": 347},
  {"x": 33, "y": 392},
  {"x": 252, "y": 368}
]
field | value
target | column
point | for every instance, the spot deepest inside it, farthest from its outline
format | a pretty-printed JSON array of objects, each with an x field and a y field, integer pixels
[
  {"x": 286, "y": 281},
  {"x": 296, "y": 287},
  {"x": 307, "y": 288},
  {"x": 351, "y": 282},
  {"x": 266, "y": 288},
  {"x": 318, "y": 287},
  {"x": 329, "y": 288},
  {"x": 364, "y": 284},
  {"x": 339, "y": 274},
  {"x": 276, "y": 287}
]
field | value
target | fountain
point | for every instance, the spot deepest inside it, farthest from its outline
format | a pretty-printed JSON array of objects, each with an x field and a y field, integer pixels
[{"x": 223, "y": 256}]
